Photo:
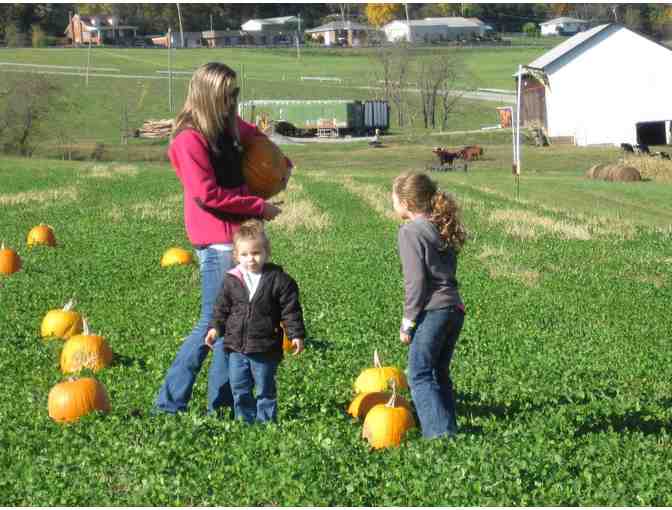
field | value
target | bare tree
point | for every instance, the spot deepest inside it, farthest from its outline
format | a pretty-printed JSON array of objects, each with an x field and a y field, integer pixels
[
  {"x": 437, "y": 80},
  {"x": 392, "y": 77}
]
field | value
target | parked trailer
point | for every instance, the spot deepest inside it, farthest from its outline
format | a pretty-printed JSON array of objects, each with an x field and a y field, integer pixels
[{"x": 309, "y": 116}]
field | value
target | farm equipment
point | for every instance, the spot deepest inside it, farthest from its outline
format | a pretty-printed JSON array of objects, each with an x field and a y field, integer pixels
[{"x": 313, "y": 117}]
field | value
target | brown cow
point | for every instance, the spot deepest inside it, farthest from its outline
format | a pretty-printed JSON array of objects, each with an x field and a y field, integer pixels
[{"x": 471, "y": 152}]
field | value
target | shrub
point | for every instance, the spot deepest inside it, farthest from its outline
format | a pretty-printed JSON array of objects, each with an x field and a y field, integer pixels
[{"x": 530, "y": 29}]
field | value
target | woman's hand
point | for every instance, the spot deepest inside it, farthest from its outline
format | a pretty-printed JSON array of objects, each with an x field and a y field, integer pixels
[
  {"x": 405, "y": 339},
  {"x": 270, "y": 211}
]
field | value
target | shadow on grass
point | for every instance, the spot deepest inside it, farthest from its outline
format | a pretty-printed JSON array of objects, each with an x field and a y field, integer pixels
[
  {"x": 629, "y": 422},
  {"x": 128, "y": 361}
]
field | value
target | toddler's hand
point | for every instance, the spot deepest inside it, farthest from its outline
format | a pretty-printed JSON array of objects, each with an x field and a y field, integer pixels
[
  {"x": 297, "y": 343},
  {"x": 406, "y": 339},
  {"x": 211, "y": 337}
]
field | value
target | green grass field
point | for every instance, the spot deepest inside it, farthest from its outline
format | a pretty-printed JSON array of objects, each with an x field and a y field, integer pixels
[
  {"x": 562, "y": 370},
  {"x": 85, "y": 115}
]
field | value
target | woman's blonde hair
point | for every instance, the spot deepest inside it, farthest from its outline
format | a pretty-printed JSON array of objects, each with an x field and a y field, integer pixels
[
  {"x": 211, "y": 104},
  {"x": 422, "y": 195},
  {"x": 251, "y": 230}
]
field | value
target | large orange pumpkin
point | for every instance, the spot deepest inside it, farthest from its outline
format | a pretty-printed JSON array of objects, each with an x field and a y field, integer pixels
[
  {"x": 364, "y": 402},
  {"x": 386, "y": 425},
  {"x": 265, "y": 167},
  {"x": 74, "y": 398},
  {"x": 10, "y": 262},
  {"x": 41, "y": 234},
  {"x": 85, "y": 351},
  {"x": 62, "y": 323},
  {"x": 376, "y": 379},
  {"x": 176, "y": 256}
]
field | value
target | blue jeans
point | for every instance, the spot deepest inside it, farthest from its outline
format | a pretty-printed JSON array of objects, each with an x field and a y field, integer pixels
[
  {"x": 256, "y": 371},
  {"x": 429, "y": 357},
  {"x": 176, "y": 391}
]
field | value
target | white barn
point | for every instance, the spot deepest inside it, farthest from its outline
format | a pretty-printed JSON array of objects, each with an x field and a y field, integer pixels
[
  {"x": 269, "y": 24},
  {"x": 429, "y": 30},
  {"x": 562, "y": 26},
  {"x": 607, "y": 85}
]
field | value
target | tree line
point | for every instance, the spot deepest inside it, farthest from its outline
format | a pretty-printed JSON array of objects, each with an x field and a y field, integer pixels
[{"x": 654, "y": 19}]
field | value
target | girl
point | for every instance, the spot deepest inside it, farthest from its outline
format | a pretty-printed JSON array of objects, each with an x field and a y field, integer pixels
[
  {"x": 205, "y": 152},
  {"x": 254, "y": 298},
  {"x": 433, "y": 310}
]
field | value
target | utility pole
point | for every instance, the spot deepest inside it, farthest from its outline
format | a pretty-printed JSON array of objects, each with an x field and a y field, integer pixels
[
  {"x": 408, "y": 24},
  {"x": 211, "y": 29},
  {"x": 170, "y": 71},
  {"x": 179, "y": 17},
  {"x": 88, "y": 62},
  {"x": 298, "y": 42}
]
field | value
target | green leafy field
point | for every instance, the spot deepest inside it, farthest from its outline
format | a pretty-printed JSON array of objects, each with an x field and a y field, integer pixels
[{"x": 562, "y": 371}]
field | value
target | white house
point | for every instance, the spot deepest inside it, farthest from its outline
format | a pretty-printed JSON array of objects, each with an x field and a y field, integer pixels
[
  {"x": 269, "y": 24},
  {"x": 562, "y": 26},
  {"x": 342, "y": 33},
  {"x": 431, "y": 29},
  {"x": 607, "y": 85}
]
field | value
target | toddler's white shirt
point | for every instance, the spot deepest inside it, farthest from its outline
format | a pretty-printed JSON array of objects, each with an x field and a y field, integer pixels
[{"x": 251, "y": 281}]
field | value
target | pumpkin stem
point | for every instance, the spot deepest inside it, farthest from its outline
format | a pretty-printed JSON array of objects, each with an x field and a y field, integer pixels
[
  {"x": 69, "y": 305},
  {"x": 376, "y": 359},
  {"x": 85, "y": 324},
  {"x": 393, "y": 399},
  {"x": 2, "y": 246}
]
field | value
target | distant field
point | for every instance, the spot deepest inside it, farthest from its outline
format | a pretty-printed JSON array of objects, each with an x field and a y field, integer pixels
[
  {"x": 94, "y": 113},
  {"x": 562, "y": 372}
]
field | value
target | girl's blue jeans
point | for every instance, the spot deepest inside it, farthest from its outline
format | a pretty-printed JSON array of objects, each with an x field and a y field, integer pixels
[
  {"x": 248, "y": 371},
  {"x": 176, "y": 391},
  {"x": 429, "y": 357}
]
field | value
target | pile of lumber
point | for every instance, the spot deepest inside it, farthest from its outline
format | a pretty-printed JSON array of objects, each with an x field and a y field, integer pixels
[{"x": 155, "y": 129}]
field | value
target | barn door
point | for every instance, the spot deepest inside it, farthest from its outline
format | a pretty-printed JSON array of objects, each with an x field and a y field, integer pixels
[{"x": 533, "y": 103}]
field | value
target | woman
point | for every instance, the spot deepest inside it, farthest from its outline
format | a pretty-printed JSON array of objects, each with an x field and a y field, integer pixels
[{"x": 206, "y": 153}]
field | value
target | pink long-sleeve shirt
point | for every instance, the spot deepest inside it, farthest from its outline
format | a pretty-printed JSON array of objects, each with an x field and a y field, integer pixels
[{"x": 190, "y": 157}]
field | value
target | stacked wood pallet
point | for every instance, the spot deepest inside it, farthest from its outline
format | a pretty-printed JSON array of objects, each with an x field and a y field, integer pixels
[{"x": 155, "y": 129}]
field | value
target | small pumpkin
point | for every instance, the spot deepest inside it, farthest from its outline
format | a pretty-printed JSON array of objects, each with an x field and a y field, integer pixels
[
  {"x": 176, "y": 257},
  {"x": 62, "y": 323},
  {"x": 85, "y": 351},
  {"x": 286, "y": 342},
  {"x": 376, "y": 379},
  {"x": 10, "y": 262},
  {"x": 265, "y": 167},
  {"x": 386, "y": 425},
  {"x": 364, "y": 402},
  {"x": 41, "y": 235},
  {"x": 70, "y": 400}
]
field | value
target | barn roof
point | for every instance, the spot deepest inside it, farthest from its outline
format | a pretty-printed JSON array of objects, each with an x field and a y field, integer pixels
[
  {"x": 340, "y": 25},
  {"x": 565, "y": 47},
  {"x": 561, "y": 20}
]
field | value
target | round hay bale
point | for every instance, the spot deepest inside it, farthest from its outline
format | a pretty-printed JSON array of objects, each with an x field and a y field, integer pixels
[
  {"x": 595, "y": 171},
  {"x": 622, "y": 173}
]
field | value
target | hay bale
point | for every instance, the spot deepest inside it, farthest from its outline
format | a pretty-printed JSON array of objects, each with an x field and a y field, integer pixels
[
  {"x": 596, "y": 171},
  {"x": 622, "y": 173}
]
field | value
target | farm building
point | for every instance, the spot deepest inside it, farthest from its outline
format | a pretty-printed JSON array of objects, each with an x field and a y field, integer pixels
[
  {"x": 101, "y": 29},
  {"x": 432, "y": 29},
  {"x": 563, "y": 26},
  {"x": 191, "y": 40},
  {"x": 483, "y": 28},
  {"x": 607, "y": 85},
  {"x": 283, "y": 24},
  {"x": 342, "y": 33},
  {"x": 222, "y": 38}
]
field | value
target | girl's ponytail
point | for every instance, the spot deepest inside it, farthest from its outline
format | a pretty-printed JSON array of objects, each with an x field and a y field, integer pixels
[{"x": 444, "y": 214}]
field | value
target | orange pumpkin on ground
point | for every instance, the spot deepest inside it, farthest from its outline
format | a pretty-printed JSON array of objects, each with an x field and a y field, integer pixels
[
  {"x": 10, "y": 262},
  {"x": 386, "y": 424},
  {"x": 41, "y": 235},
  {"x": 85, "y": 351},
  {"x": 265, "y": 167},
  {"x": 62, "y": 323},
  {"x": 176, "y": 256},
  {"x": 74, "y": 398},
  {"x": 376, "y": 379},
  {"x": 364, "y": 402}
]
